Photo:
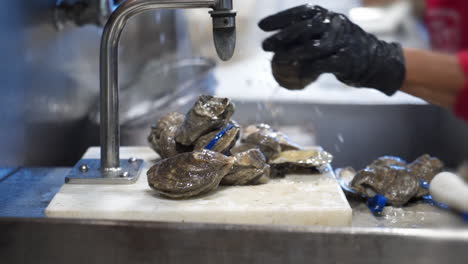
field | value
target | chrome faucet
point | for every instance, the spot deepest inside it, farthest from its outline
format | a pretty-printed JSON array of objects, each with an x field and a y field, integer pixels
[{"x": 111, "y": 169}]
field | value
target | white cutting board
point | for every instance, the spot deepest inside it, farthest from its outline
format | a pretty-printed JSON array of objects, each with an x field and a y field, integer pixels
[{"x": 296, "y": 200}]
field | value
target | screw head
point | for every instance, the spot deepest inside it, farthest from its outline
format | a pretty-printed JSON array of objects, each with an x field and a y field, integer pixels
[
  {"x": 125, "y": 174},
  {"x": 132, "y": 160},
  {"x": 84, "y": 168}
]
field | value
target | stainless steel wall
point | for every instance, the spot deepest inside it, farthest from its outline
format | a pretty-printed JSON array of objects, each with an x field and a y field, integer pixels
[{"x": 49, "y": 79}]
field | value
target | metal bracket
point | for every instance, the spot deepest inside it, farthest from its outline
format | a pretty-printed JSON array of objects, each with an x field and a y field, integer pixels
[{"x": 88, "y": 171}]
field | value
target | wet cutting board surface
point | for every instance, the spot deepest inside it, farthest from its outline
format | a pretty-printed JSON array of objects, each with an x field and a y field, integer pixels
[{"x": 295, "y": 200}]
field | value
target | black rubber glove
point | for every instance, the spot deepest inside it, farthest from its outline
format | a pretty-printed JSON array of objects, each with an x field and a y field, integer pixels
[{"x": 312, "y": 40}]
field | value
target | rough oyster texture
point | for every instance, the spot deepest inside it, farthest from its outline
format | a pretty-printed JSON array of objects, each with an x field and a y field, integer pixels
[
  {"x": 224, "y": 143},
  {"x": 299, "y": 162},
  {"x": 396, "y": 183},
  {"x": 162, "y": 136},
  {"x": 388, "y": 161},
  {"x": 249, "y": 168},
  {"x": 269, "y": 146},
  {"x": 242, "y": 148},
  {"x": 425, "y": 168},
  {"x": 267, "y": 130},
  {"x": 393, "y": 178},
  {"x": 189, "y": 174},
  {"x": 209, "y": 113}
]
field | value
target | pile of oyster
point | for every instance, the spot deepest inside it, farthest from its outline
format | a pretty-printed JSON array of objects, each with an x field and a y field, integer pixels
[
  {"x": 393, "y": 178},
  {"x": 200, "y": 150}
]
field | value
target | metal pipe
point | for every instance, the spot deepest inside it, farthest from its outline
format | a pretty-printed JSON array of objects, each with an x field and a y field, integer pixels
[{"x": 109, "y": 89}]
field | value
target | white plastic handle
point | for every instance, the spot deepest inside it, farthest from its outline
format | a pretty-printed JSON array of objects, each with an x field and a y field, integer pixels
[{"x": 450, "y": 189}]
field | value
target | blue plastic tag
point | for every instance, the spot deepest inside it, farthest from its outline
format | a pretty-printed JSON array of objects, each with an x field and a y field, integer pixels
[
  {"x": 211, "y": 144},
  {"x": 377, "y": 203}
]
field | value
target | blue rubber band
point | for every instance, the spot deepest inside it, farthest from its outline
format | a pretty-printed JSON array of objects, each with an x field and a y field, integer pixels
[
  {"x": 428, "y": 199},
  {"x": 213, "y": 142},
  {"x": 424, "y": 184},
  {"x": 377, "y": 203}
]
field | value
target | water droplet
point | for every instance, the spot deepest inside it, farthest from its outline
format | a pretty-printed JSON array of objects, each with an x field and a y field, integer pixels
[
  {"x": 318, "y": 112},
  {"x": 340, "y": 138},
  {"x": 337, "y": 148}
]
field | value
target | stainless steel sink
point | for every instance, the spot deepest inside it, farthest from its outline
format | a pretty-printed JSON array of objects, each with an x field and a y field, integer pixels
[{"x": 68, "y": 241}]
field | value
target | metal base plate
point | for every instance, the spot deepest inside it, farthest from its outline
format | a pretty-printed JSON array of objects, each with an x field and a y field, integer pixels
[{"x": 87, "y": 171}]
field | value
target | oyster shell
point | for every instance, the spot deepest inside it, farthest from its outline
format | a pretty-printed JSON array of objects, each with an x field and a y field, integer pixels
[
  {"x": 189, "y": 174},
  {"x": 394, "y": 182},
  {"x": 162, "y": 136},
  {"x": 264, "y": 129},
  {"x": 388, "y": 161},
  {"x": 249, "y": 168},
  {"x": 243, "y": 148},
  {"x": 299, "y": 162},
  {"x": 209, "y": 113},
  {"x": 268, "y": 145},
  {"x": 425, "y": 168},
  {"x": 228, "y": 137},
  {"x": 393, "y": 178}
]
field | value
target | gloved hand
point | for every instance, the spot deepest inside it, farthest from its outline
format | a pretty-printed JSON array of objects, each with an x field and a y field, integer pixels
[{"x": 312, "y": 40}]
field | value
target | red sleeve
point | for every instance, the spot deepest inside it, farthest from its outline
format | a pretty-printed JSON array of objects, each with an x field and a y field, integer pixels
[{"x": 461, "y": 104}]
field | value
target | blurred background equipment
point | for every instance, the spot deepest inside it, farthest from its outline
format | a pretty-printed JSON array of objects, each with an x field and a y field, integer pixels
[
  {"x": 49, "y": 78},
  {"x": 83, "y": 12}
]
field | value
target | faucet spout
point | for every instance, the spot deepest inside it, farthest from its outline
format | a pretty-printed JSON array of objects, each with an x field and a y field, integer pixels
[{"x": 224, "y": 28}]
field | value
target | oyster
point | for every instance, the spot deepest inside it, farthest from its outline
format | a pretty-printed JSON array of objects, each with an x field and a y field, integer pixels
[
  {"x": 249, "y": 168},
  {"x": 425, "y": 168},
  {"x": 394, "y": 182},
  {"x": 221, "y": 140},
  {"x": 162, "y": 136},
  {"x": 243, "y": 148},
  {"x": 299, "y": 162},
  {"x": 189, "y": 174},
  {"x": 393, "y": 178},
  {"x": 388, "y": 161},
  {"x": 264, "y": 129},
  {"x": 269, "y": 146},
  {"x": 209, "y": 113}
]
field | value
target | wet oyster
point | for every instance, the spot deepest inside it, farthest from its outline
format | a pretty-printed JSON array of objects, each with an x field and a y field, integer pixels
[
  {"x": 162, "y": 136},
  {"x": 267, "y": 144},
  {"x": 249, "y": 168},
  {"x": 189, "y": 174},
  {"x": 299, "y": 162},
  {"x": 394, "y": 182},
  {"x": 209, "y": 113},
  {"x": 393, "y": 178},
  {"x": 242, "y": 148},
  {"x": 221, "y": 140},
  {"x": 388, "y": 161},
  {"x": 264, "y": 129},
  {"x": 425, "y": 168}
]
